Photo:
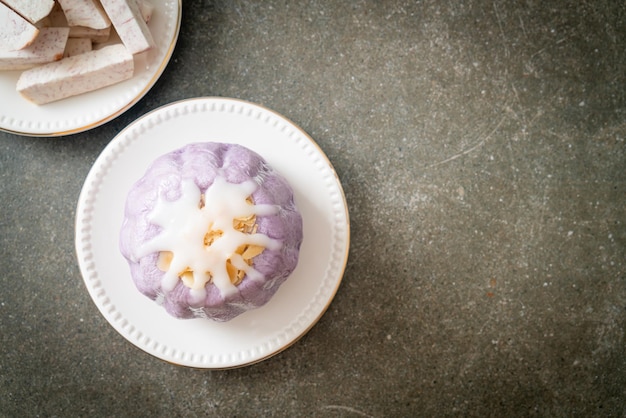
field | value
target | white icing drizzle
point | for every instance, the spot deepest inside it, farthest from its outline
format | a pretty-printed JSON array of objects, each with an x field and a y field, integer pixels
[{"x": 185, "y": 222}]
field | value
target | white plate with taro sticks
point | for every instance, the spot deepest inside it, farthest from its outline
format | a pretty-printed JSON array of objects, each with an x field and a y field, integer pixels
[{"x": 89, "y": 110}]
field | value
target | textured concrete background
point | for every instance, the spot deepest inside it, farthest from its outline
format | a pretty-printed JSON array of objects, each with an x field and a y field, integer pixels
[{"x": 481, "y": 147}]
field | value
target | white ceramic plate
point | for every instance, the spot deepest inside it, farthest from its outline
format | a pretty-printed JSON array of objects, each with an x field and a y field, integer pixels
[
  {"x": 86, "y": 111},
  {"x": 254, "y": 335}
]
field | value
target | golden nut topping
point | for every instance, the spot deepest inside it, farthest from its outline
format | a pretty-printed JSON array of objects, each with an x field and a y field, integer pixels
[
  {"x": 164, "y": 260},
  {"x": 252, "y": 251},
  {"x": 211, "y": 236},
  {"x": 246, "y": 225},
  {"x": 187, "y": 277}
]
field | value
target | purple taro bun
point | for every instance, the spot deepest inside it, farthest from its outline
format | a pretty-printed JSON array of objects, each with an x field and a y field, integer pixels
[{"x": 210, "y": 231}]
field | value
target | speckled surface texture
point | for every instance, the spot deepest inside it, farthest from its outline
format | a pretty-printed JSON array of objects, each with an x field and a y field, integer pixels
[{"x": 481, "y": 147}]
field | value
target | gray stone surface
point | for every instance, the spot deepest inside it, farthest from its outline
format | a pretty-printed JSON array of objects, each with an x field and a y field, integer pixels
[{"x": 481, "y": 147}]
